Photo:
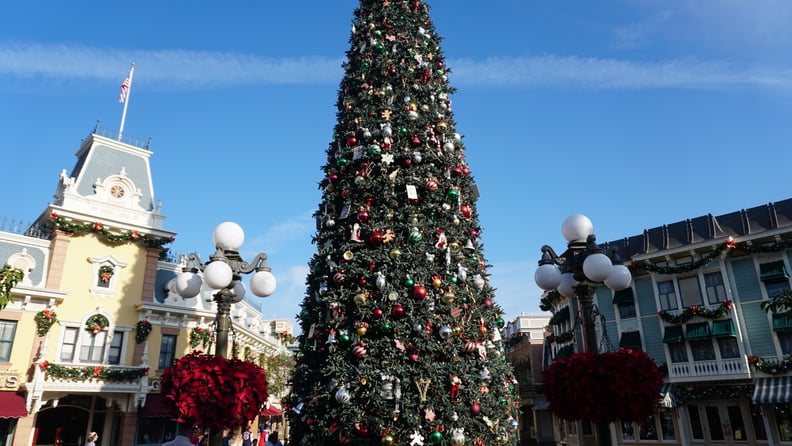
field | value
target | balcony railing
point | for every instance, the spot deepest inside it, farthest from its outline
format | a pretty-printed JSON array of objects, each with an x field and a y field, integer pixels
[{"x": 723, "y": 369}]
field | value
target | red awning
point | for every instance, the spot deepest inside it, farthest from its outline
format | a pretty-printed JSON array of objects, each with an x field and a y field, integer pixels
[
  {"x": 12, "y": 405},
  {"x": 271, "y": 411},
  {"x": 155, "y": 407}
]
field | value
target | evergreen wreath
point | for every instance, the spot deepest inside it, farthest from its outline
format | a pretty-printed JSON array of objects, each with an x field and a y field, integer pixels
[
  {"x": 84, "y": 373},
  {"x": 105, "y": 273},
  {"x": 142, "y": 331},
  {"x": 96, "y": 323},
  {"x": 696, "y": 311},
  {"x": 44, "y": 320}
]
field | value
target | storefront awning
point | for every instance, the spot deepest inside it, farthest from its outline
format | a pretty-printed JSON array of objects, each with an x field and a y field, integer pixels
[
  {"x": 773, "y": 271},
  {"x": 673, "y": 334},
  {"x": 630, "y": 339},
  {"x": 700, "y": 330},
  {"x": 155, "y": 407},
  {"x": 782, "y": 322},
  {"x": 12, "y": 405},
  {"x": 777, "y": 389},
  {"x": 724, "y": 328},
  {"x": 271, "y": 411},
  {"x": 560, "y": 316}
]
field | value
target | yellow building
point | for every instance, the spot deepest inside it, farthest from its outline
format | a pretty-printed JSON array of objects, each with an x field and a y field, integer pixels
[{"x": 96, "y": 319}]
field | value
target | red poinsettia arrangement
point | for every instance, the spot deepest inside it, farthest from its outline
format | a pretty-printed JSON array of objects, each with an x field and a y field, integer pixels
[
  {"x": 622, "y": 385},
  {"x": 214, "y": 392}
]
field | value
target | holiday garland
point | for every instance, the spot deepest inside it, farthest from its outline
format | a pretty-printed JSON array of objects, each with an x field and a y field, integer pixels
[
  {"x": 85, "y": 373},
  {"x": 771, "y": 367},
  {"x": 780, "y": 303},
  {"x": 214, "y": 392},
  {"x": 9, "y": 277},
  {"x": 96, "y": 323},
  {"x": 200, "y": 336},
  {"x": 142, "y": 331},
  {"x": 100, "y": 230},
  {"x": 44, "y": 320},
  {"x": 697, "y": 311}
]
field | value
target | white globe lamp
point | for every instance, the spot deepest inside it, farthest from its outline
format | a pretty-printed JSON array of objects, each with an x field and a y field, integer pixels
[
  {"x": 228, "y": 235},
  {"x": 263, "y": 283},
  {"x": 218, "y": 274},
  {"x": 577, "y": 228},
  {"x": 619, "y": 279},
  {"x": 547, "y": 276},
  {"x": 188, "y": 284},
  {"x": 597, "y": 267}
]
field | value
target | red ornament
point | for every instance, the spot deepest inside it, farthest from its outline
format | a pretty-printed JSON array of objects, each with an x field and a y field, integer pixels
[
  {"x": 431, "y": 185},
  {"x": 466, "y": 212},
  {"x": 488, "y": 302},
  {"x": 332, "y": 178},
  {"x": 376, "y": 237},
  {"x": 397, "y": 311},
  {"x": 475, "y": 409},
  {"x": 362, "y": 281},
  {"x": 339, "y": 277},
  {"x": 359, "y": 351},
  {"x": 419, "y": 292},
  {"x": 378, "y": 313},
  {"x": 363, "y": 216},
  {"x": 351, "y": 141}
]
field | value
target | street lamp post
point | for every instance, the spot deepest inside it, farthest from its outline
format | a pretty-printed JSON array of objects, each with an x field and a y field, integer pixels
[
  {"x": 576, "y": 273},
  {"x": 223, "y": 273}
]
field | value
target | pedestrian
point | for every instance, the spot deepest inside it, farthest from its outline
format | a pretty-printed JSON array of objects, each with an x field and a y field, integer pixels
[
  {"x": 228, "y": 437},
  {"x": 247, "y": 437},
  {"x": 183, "y": 436},
  {"x": 272, "y": 439},
  {"x": 93, "y": 437}
]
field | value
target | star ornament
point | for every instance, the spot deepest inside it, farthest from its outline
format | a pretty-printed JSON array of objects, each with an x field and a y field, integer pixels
[{"x": 387, "y": 159}]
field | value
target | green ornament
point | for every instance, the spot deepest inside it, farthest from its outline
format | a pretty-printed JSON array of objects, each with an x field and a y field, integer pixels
[
  {"x": 409, "y": 282},
  {"x": 501, "y": 323},
  {"x": 386, "y": 328},
  {"x": 341, "y": 162},
  {"x": 504, "y": 401},
  {"x": 403, "y": 130},
  {"x": 452, "y": 195},
  {"x": 415, "y": 236},
  {"x": 454, "y": 279},
  {"x": 436, "y": 437},
  {"x": 364, "y": 65},
  {"x": 345, "y": 338},
  {"x": 379, "y": 47},
  {"x": 374, "y": 149}
]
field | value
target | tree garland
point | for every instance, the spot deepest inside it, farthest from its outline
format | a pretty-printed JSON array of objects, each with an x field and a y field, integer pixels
[
  {"x": 9, "y": 277},
  {"x": 771, "y": 367},
  {"x": 96, "y": 323},
  {"x": 142, "y": 331},
  {"x": 44, "y": 320},
  {"x": 99, "y": 229},
  {"x": 85, "y": 373},
  {"x": 697, "y": 311}
]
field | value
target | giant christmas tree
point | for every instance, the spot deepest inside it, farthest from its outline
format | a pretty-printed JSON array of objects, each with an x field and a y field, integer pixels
[{"x": 400, "y": 339}]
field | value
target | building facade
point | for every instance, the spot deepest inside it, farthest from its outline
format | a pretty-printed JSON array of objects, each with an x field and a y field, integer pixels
[
  {"x": 96, "y": 318},
  {"x": 525, "y": 337},
  {"x": 710, "y": 303}
]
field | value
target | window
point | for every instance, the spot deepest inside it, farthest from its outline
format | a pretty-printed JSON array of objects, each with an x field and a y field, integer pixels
[
  {"x": 728, "y": 348},
  {"x": 702, "y": 350},
  {"x": 757, "y": 418},
  {"x": 783, "y": 417},
  {"x": 785, "y": 339},
  {"x": 713, "y": 284},
  {"x": 627, "y": 310},
  {"x": 648, "y": 429},
  {"x": 696, "y": 429},
  {"x": 167, "y": 351},
  {"x": 667, "y": 295},
  {"x": 690, "y": 291},
  {"x": 7, "y": 331},
  {"x": 115, "y": 348},
  {"x": 69, "y": 344},
  {"x": 667, "y": 424},
  {"x": 678, "y": 352},
  {"x": 92, "y": 346},
  {"x": 774, "y": 287}
]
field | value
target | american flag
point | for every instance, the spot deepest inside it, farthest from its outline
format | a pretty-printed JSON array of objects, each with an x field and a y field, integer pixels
[{"x": 124, "y": 90}]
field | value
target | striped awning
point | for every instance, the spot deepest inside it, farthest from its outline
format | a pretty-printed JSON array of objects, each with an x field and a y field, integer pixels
[
  {"x": 667, "y": 399},
  {"x": 777, "y": 389}
]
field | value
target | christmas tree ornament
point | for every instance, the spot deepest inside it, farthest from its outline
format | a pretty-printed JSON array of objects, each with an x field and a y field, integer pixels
[
  {"x": 380, "y": 280},
  {"x": 397, "y": 312},
  {"x": 359, "y": 351},
  {"x": 408, "y": 282},
  {"x": 388, "y": 440},
  {"x": 419, "y": 292},
  {"x": 458, "y": 437},
  {"x": 445, "y": 332},
  {"x": 415, "y": 236},
  {"x": 475, "y": 408},
  {"x": 478, "y": 281},
  {"x": 377, "y": 313},
  {"x": 342, "y": 395},
  {"x": 394, "y": 253},
  {"x": 436, "y": 437},
  {"x": 437, "y": 282},
  {"x": 363, "y": 216}
]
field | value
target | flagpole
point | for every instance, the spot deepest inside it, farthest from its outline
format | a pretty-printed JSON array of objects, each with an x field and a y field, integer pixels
[{"x": 126, "y": 100}]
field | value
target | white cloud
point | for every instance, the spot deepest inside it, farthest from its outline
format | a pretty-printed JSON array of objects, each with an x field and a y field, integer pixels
[{"x": 190, "y": 69}]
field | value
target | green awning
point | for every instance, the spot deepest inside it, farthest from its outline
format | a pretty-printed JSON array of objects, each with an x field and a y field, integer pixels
[
  {"x": 773, "y": 271},
  {"x": 623, "y": 297},
  {"x": 724, "y": 328},
  {"x": 782, "y": 322},
  {"x": 673, "y": 334},
  {"x": 700, "y": 330},
  {"x": 630, "y": 339},
  {"x": 565, "y": 351},
  {"x": 560, "y": 316}
]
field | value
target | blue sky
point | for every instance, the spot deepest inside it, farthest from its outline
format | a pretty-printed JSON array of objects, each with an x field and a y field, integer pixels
[{"x": 636, "y": 113}]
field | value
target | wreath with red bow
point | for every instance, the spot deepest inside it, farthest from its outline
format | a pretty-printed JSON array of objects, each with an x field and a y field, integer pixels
[
  {"x": 622, "y": 385},
  {"x": 214, "y": 392}
]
